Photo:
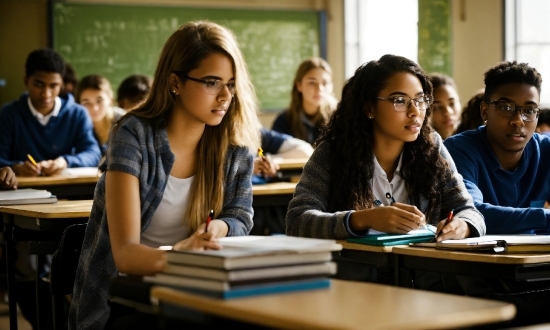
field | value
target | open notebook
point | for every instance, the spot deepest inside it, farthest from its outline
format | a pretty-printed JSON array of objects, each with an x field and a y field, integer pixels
[{"x": 26, "y": 196}]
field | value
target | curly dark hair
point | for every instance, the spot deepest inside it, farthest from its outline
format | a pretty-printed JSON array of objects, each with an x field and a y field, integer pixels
[
  {"x": 509, "y": 73},
  {"x": 350, "y": 133},
  {"x": 471, "y": 114},
  {"x": 44, "y": 59}
]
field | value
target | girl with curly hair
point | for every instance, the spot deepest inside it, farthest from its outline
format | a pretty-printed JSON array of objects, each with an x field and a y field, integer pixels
[{"x": 379, "y": 165}]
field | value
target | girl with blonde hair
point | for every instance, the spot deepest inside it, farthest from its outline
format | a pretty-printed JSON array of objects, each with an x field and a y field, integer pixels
[
  {"x": 312, "y": 101},
  {"x": 95, "y": 93},
  {"x": 184, "y": 152}
]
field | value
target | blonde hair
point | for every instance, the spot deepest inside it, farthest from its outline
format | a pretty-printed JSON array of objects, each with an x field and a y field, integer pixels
[
  {"x": 99, "y": 83},
  {"x": 296, "y": 108},
  {"x": 183, "y": 52}
]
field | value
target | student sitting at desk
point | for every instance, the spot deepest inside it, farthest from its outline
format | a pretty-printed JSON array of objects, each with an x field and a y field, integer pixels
[
  {"x": 446, "y": 105},
  {"x": 8, "y": 180},
  {"x": 312, "y": 101},
  {"x": 55, "y": 131},
  {"x": 95, "y": 93},
  {"x": 504, "y": 165},
  {"x": 183, "y": 152},
  {"x": 379, "y": 165},
  {"x": 133, "y": 91}
]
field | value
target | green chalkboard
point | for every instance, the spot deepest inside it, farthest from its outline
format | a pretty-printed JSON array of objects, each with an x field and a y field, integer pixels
[
  {"x": 119, "y": 40},
  {"x": 434, "y": 36}
]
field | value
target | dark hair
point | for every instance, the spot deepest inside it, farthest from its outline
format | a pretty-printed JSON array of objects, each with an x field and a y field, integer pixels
[
  {"x": 440, "y": 79},
  {"x": 70, "y": 75},
  {"x": 350, "y": 132},
  {"x": 134, "y": 88},
  {"x": 508, "y": 73},
  {"x": 44, "y": 59},
  {"x": 544, "y": 117},
  {"x": 471, "y": 114}
]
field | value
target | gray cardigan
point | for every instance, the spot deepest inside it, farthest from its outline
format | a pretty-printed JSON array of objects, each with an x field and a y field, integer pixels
[
  {"x": 307, "y": 214},
  {"x": 138, "y": 149}
]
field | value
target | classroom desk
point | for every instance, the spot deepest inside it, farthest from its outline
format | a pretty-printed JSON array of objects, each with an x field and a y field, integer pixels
[
  {"x": 73, "y": 184},
  {"x": 290, "y": 169},
  {"x": 380, "y": 256},
  {"x": 346, "y": 305},
  {"x": 272, "y": 194},
  {"x": 517, "y": 267},
  {"x": 42, "y": 226}
]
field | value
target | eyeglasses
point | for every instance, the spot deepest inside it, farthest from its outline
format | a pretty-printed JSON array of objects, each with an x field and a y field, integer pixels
[
  {"x": 402, "y": 102},
  {"x": 214, "y": 86},
  {"x": 528, "y": 112}
]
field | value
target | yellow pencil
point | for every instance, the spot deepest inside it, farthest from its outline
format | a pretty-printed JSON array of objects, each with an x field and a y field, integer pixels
[
  {"x": 260, "y": 152},
  {"x": 32, "y": 160}
]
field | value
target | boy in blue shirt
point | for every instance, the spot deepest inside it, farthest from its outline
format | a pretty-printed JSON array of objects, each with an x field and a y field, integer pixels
[
  {"x": 505, "y": 165},
  {"x": 55, "y": 131}
]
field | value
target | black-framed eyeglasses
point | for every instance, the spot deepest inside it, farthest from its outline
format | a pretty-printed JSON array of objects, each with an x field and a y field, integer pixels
[
  {"x": 529, "y": 112},
  {"x": 402, "y": 102},
  {"x": 214, "y": 86}
]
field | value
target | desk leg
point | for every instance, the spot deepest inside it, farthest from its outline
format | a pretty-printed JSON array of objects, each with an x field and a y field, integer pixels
[{"x": 10, "y": 269}]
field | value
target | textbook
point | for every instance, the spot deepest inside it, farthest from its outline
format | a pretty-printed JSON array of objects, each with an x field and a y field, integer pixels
[
  {"x": 320, "y": 269},
  {"x": 383, "y": 239},
  {"x": 26, "y": 196},
  {"x": 258, "y": 251},
  {"x": 225, "y": 290},
  {"x": 500, "y": 243}
]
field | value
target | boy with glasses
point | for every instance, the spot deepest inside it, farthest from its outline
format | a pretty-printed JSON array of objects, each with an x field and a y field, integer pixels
[{"x": 505, "y": 165}]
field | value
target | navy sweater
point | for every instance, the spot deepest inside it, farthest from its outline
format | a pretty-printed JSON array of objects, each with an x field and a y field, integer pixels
[
  {"x": 69, "y": 135},
  {"x": 511, "y": 202}
]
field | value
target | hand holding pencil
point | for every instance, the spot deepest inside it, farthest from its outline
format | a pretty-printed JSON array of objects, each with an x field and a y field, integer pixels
[
  {"x": 452, "y": 228},
  {"x": 264, "y": 165}
]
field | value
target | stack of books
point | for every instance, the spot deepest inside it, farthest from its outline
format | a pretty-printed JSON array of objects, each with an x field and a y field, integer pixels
[
  {"x": 26, "y": 196},
  {"x": 251, "y": 265}
]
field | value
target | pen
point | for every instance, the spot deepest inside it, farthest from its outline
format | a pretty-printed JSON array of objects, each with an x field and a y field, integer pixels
[
  {"x": 210, "y": 217},
  {"x": 449, "y": 218}
]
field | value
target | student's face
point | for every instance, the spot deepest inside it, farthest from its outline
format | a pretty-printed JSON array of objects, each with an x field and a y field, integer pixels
[
  {"x": 97, "y": 102},
  {"x": 43, "y": 88},
  {"x": 194, "y": 99},
  {"x": 446, "y": 109},
  {"x": 315, "y": 87},
  {"x": 391, "y": 125},
  {"x": 510, "y": 134}
]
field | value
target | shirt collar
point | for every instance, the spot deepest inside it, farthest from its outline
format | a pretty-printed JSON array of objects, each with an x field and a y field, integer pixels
[
  {"x": 379, "y": 172},
  {"x": 43, "y": 119}
]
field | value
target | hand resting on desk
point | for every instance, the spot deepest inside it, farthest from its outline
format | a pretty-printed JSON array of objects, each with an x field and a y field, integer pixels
[{"x": 397, "y": 218}]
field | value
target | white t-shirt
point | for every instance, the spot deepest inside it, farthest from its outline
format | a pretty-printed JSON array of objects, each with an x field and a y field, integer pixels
[
  {"x": 168, "y": 225},
  {"x": 43, "y": 120},
  {"x": 384, "y": 190}
]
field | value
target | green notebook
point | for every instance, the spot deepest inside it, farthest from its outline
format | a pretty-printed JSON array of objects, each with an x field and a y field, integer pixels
[{"x": 392, "y": 239}]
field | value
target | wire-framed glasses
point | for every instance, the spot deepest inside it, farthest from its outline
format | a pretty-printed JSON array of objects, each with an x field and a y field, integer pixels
[
  {"x": 402, "y": 102},
  {"x": 214, "y": 86},
  {"x": 508, "y": 109}
]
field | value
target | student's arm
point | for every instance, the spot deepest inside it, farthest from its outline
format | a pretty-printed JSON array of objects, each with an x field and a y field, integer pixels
[
  {"x": 237, "y": 205},
  {"x": 87, "y": 153},
  {"x": 498, "y": 219},
  {"x": 295, "y": 148},
  {"x": 8, "y": 180}
]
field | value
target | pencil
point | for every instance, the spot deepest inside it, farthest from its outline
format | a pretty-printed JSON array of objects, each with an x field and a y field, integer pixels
[
  {"x": 210, "y": 217},
  {"x": 32, "y": 160},
  {"x": 449, "y": 218},
  {"x": 260, "y": 152}
]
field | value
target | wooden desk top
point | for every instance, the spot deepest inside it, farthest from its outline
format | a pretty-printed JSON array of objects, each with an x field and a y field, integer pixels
[
  {"x": 292, "y": 163},
  {"x": 349, "y": 305},
  {"x": 68, "y": 177},
  {"x": 275, "y": 188},
  {"x": 473, "y": 256},
  {"x": 61, "y": 209},
  {"x": 364, "y": 247}
]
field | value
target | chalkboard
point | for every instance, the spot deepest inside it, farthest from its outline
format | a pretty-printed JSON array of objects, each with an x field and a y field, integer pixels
[
  {"x": 434, "y": 36},
  {"x": 119, "y": 40}
]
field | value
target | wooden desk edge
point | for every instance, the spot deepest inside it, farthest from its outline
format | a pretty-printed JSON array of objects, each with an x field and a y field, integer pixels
[
  {"x": 61, "y": 209},
  {"x": 512, "y": 259},
  {"x": 364, "y": 247}
]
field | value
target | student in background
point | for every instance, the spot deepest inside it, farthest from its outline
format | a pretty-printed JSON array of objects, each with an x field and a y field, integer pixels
[
  {"x": 311, "y": 103},
  {"x": 543, "y": 124},
  {"x": 379, "y": 165},
  {"x": 8, "y": 180},
  {"x": 504, "y": 165},
  {"x": 183, "y": 152},
  {"x": 132, "y": 91},
  {"x": 471, "y": 113},
  {"x": 70, "y": 81},
  {"x": 95, "y": 93},
  {"x": 446, "y": 105},
  {"x": 55, "y": 131}
]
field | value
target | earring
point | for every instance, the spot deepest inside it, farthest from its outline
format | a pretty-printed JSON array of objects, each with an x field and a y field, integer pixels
[{"x": 371, "y": 116}]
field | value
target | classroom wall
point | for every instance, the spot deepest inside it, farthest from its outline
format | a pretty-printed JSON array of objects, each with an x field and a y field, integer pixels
[
  {"x": 478, "y": 41},
  {"x": 477, "y": 37}
]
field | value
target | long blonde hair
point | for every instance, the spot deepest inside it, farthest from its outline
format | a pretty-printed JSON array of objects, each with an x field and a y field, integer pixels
[
  {"x": 183, "y": 52},
  {"x": 296, "y": 108},
  {"x": 98, "y": 83}
]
